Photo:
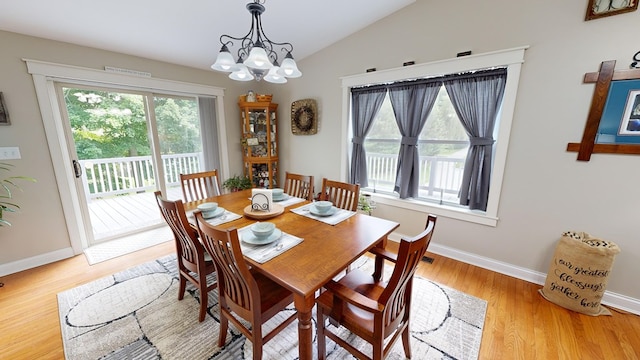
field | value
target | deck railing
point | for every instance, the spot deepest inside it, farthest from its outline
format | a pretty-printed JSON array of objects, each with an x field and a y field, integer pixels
[
  {"x": 440, "y": 176},
  {"x": 114, "y": 176}
]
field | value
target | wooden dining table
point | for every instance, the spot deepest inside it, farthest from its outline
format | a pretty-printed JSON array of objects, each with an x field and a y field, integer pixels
[{"x": 326, "y": 251}]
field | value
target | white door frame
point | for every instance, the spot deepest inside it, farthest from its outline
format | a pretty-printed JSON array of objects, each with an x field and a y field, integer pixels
[{"x": 45, "y": 74}]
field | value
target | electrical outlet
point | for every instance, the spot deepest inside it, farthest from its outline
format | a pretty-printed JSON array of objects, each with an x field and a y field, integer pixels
[{"x": 9, "y": 153}]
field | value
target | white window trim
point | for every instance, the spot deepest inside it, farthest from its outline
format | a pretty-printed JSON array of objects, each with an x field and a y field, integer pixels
[{"x": 511, "y": 58}]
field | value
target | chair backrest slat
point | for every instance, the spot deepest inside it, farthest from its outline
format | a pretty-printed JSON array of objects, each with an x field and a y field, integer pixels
[
  {"x": 342, "y": 195},
  {"x": 397, "y": 294},
  {"x": 235, "y": 280},
  {"x": 188, "y": 246},
  {"x": 198, "y": 186},
  {"x": 299, "y": 186}
]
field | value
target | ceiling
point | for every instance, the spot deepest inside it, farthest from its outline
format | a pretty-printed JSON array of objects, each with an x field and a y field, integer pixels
[{"x": 186, "y": 32}]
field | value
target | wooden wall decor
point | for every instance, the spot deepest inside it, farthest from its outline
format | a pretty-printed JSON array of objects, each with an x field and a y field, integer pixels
[{"x": 603, "y": 80}]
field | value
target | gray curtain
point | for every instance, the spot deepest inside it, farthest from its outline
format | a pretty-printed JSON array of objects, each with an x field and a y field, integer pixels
[
  {"x": 365, "y": 104},
  {"x": 412, "y": 103},
  {"x": 476, "y": 98},
  {"x": 209, "y": 133}
]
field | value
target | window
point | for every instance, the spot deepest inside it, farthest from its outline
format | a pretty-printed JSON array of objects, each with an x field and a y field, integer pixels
[
  {"x": 442, "y": 147},
  {"x": 382, "y": 145},
  {"x": 442, "y": 143}
]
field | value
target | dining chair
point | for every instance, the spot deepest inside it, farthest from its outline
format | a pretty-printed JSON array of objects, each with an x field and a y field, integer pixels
[
  {"x": 201, "y": 185},
  {"x": 245, "y": 294},
  {"x": 194, "y": 263},
  {"x": 343, "y": 195},
  {"x": 372, "y": 309},
  {"x": 299, "y": 185}
]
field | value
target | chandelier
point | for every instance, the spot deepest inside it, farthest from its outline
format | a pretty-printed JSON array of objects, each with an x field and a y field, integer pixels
[{"x": 257, "y": 57}]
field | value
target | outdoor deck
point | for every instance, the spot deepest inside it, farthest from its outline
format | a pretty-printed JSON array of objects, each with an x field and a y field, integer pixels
[{"x": 126, "y": 214}]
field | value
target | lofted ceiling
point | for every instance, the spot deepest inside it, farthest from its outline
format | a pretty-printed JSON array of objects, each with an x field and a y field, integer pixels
[{"x": 186, "y": 32}]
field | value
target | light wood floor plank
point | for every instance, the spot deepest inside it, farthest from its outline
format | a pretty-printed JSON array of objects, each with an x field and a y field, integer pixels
[{"x": 520, "y": 324}]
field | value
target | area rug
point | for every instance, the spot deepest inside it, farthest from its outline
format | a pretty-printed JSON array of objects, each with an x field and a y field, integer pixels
[{"x": 135, "y": 314}]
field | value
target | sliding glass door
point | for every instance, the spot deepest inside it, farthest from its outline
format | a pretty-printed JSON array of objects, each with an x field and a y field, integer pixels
[
  {"x": 179, "y": 138},
  {"x": 125, "y": 145}
]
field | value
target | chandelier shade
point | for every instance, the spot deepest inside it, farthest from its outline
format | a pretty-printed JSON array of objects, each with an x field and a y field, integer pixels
[
  {"x": 289, "y": 67},
  {"x": 241, "y": 73},
  {"x": 257, "y": 56},
  {"x": 224, "y": 61},
  {"x": 274, "y": 76}
]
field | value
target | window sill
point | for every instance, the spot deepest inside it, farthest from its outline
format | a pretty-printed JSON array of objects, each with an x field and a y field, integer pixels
[{"x": 473, "y": 216}]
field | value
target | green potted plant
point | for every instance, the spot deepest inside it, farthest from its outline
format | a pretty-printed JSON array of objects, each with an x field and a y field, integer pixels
[
  {"x": 6, "y": 185},
  {"x": 365, "y": 204},
  {"x": 237, "y": 183}
]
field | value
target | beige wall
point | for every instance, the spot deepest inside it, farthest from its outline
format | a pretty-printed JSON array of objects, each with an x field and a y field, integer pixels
[{"x": 545, "y": 191}]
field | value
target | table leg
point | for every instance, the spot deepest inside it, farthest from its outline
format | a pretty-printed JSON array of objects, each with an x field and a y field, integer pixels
[
  {"x": 304, "y": 305},
  {"x": 379, "y": 262},
  {"x": 378, "y": 267}
]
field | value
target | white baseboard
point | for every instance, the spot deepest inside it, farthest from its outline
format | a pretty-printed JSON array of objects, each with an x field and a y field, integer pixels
[
  {"x": 24, "y": 264},
  {"x": 611, "y": 299}
]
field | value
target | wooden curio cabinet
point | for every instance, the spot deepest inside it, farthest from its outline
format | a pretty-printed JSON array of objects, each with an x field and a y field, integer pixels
[{"x": 260, "y": 143}]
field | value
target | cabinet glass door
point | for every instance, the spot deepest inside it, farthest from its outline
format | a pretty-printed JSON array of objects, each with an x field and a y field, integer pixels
[
  {"x": 261, "y": 172},
  {"x": 258, "y": 139},
  {"x": 274, "y": 135},
  {"x": 260, "y": 143}
]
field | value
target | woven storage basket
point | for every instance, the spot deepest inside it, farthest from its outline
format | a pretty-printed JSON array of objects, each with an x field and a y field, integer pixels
[{"x": 578, "y": 274}]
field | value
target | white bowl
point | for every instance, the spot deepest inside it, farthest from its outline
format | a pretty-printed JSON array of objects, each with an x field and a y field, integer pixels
[
  {"x": 323, "y": 206},
  {"x": 277, "y": 193},
  {"x": 262, "y": 230},
  {"x": 208, "y": 208}
]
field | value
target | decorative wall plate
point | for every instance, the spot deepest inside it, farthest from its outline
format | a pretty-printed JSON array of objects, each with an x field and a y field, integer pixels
[{"x": 304, "y": 117}]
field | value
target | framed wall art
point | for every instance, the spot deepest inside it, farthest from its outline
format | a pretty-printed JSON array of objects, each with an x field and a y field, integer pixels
[
  {"x": 304, "y": 117},
  {"x": 613, "y": 123},
  {"x": 602, "y": 8},
  {"x": 4, "y": 114}
]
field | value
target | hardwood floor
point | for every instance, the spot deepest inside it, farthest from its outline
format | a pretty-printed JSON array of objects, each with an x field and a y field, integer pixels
[
  {"x": 29, "y": 323},
  {"x": 519, "y": 324}
]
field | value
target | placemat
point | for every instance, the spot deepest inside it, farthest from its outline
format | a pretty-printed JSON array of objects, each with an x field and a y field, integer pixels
[
  {"x": 264, "y": 253},
  {"x": 226, "y": 217},
  {"x": 290, "y": 201},
  {"x": 339, "y": 216}
]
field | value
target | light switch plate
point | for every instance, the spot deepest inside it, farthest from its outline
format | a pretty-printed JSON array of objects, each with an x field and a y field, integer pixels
[{"x": 9, "y": 153}]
